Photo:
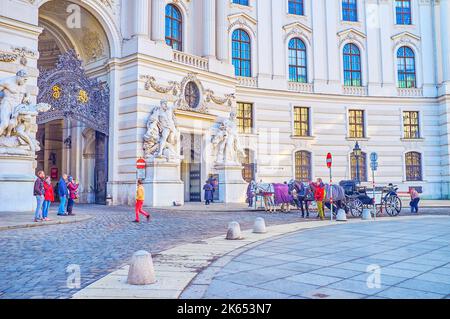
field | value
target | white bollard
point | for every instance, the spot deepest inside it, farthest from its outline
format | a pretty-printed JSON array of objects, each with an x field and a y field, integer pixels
[
  {"x": 141, "y": 270},
  {"x": 366, "y": 214},
  {"x": 341, "y": 216},
  {"x": 260, "y": 226},
  {"x": 234, "y": 231}
]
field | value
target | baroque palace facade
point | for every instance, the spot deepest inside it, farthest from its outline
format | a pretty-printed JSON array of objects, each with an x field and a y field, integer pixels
[{"x": 304, "y": 77}]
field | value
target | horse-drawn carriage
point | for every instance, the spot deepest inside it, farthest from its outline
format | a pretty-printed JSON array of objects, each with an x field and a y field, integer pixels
[
  {"x": 347, "y": 195},
  {"x": 357, "y": 198}
]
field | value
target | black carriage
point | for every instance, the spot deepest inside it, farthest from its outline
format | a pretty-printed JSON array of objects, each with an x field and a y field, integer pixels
[{"x": 357, "y": 199}]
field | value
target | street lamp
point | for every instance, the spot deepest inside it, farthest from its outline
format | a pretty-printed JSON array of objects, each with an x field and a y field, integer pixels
[{"x": 357, "y": 154}]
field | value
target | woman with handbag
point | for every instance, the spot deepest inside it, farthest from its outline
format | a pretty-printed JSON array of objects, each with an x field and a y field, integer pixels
[{"x": 49, "y": 197}]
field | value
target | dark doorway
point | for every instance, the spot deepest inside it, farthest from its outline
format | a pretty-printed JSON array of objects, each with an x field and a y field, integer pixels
[{"x": 101, "y": 167}]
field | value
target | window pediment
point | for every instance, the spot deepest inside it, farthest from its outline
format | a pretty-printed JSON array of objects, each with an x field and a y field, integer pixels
[
  {"x": 242, "y": 20},
  {"x": 352, "y": 35},
  {"x": 297, "y": 29},
  {"x": 405, "y": 38}
]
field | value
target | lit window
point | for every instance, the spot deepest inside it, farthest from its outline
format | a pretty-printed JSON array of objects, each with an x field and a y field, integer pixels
[
  {"x": 241, "y": 53},
  {"x": 174, "y": 22},
  {"x": 303, "y": 166},
  {"x": 361, "y": 167},
  {"x": 356, "y": 123},
  {"x": 245, "y": 117},
  {"x": 248, "y": 171},
  {"x": 413, "y": 165},
  {"x": 352, "y": 65},
  {"x": 297, "y": 61},
  {"x": 301, "y": 121},
  {"x": 411, "y": 125}
]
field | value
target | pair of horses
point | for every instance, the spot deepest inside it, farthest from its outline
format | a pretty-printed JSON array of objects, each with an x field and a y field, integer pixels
[{"x": 295, "y": 193}]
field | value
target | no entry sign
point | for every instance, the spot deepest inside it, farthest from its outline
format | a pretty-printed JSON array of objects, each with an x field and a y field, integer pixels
[
  {"x": 329, "y": 160},
  {"x": 140, "y": 168},
  {"x": 140, "y": 163}
]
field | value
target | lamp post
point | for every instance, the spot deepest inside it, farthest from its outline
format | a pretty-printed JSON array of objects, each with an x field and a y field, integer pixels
[{"x": 357, "y": 154}]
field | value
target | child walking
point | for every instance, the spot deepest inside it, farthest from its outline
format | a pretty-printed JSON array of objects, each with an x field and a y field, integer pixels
[{"x": 140, "y": 197}]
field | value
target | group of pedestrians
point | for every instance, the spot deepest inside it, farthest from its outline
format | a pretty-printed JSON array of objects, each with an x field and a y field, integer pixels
[{"x": 44, "y": 192}]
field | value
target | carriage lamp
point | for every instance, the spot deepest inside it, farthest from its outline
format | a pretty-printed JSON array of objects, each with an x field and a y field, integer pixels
[{"x": 357, "y": 154}]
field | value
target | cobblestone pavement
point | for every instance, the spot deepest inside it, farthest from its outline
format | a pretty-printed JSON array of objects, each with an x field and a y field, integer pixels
[
  {"x": 411, "y": 257},
  {"x": 33, "y": 261}
]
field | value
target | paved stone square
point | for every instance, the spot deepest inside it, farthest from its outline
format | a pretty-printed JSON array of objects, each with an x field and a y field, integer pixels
[
  {"x": 412, "y": 256},
  {"x": 34, "y": 260}
]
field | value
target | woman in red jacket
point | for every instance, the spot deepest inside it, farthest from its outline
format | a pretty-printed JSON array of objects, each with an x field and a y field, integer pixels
[{"x": 49, "y": 197}]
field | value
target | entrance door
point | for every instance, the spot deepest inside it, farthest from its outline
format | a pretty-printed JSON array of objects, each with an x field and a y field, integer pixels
[
  {"x": 101, "y": 167},
  {"x": 195, "y": 182}
]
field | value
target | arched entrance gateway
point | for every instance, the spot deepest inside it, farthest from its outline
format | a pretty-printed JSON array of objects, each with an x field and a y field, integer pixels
[{"x": 73, "y": 79}]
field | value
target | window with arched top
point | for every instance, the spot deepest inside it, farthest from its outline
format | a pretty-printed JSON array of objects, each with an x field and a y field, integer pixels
[
  {"x": 241, "y": 53},
  {"x": 403, "y": 12},
  {"x": 349, "y": 10},
  {"x": 248, "y": 170},
  {"x": 303, "y": 167},
  {"x": 361, "y": 167},
  {"x": 406, "y": 68},
  {"x": 297, "y": 61},
  {"x": 352, "y": 65},
  {"x": 241, "y": 2},
  {"x": 174, "y": 27},
  {"x": 413, "y": 166}
]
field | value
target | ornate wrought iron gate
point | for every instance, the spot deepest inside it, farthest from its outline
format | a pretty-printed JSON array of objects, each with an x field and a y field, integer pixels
[{"x": 73, "y": 95}]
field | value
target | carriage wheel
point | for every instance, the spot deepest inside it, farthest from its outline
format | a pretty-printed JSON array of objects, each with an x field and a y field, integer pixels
[
  {"x": 356, "y": 207},
  {"x": 393, "y": 205}
]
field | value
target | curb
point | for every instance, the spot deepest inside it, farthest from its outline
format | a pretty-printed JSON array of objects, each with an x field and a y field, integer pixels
[{"x": 49, "y": 223}]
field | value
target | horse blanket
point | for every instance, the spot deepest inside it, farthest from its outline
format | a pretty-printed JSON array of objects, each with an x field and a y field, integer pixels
[{"x": 282, "y": 195}]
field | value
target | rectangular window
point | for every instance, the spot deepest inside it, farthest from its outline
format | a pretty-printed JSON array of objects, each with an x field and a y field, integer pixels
[
  {"x": 349, "y": 10},
  {"x": 241, "y": 2},
  {"x": 301, "y": 121},
  {"x": 356, "y": 123},
  {"x": 411, "y": 125},
  {"x": 245, "y": 117},
  {"x": 296, "y": 7},
  {"x": 403, "y": 12}
]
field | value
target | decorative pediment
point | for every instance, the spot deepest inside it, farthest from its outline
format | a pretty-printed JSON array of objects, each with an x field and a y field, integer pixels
[
  {"x": 405, "y": 38},
  {"x": 242, "y": 20},
  {"x": 352, "y": 35},
  {"x": 189, "y": 94},
  {"x": 297, "y": 29}
]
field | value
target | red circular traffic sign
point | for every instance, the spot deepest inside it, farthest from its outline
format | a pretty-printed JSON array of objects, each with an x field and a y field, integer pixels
[
  {"x": 329, "y": 160},
  {"x": 140, "y": 163}
]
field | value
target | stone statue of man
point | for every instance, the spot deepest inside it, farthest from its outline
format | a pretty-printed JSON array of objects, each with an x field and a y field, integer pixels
[
  {"x": 12, "y": 93},
  {"x": 226, "y": 140},
  {"x": 162, "y": 135}
]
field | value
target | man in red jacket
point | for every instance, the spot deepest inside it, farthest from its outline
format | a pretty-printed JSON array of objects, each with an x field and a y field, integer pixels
[{"x": 319, "y": 196}]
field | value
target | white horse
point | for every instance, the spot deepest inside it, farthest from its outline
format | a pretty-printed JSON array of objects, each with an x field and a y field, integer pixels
[{"x": 267, "y": 191}]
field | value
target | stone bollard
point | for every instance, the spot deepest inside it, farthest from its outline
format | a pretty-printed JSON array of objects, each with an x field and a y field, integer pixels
[
  {"x": 260, "y": 226},
  {"x": 366, "y": 214},
  {"x": 341, "y": 216},
  {"x": 141, "y": 270},
  {"x": 234, "y": 231}
]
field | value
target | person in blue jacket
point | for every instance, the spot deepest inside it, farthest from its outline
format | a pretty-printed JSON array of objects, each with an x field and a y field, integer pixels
[{"x": 63, "y": 193}]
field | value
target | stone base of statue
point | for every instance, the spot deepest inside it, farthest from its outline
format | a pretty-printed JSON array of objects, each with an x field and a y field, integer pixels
[
  {"x": 16, "y": 183},
  {"x": 162, "y": 184},
  {"x": 232, "y": 188}
]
